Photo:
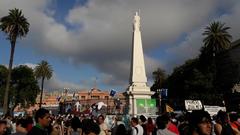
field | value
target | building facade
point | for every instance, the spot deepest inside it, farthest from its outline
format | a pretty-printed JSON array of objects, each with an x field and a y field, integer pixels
[{"x": 86, "y": 99}]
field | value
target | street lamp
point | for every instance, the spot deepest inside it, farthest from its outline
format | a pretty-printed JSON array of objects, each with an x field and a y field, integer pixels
[
  {"x": 162, "y": 94},
  {"x": 160, "y": 100}
]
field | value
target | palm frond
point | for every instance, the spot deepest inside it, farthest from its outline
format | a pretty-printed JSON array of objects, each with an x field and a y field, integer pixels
[
  {"x": 15, "y": 24},
  {"x": 217, "y": 37}
]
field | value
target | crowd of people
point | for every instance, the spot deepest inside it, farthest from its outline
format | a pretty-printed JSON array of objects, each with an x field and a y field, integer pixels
[{"x": 197, "y": 122}]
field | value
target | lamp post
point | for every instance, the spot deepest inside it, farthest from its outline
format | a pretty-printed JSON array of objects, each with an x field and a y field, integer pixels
[{"x": 160, "y": 100}]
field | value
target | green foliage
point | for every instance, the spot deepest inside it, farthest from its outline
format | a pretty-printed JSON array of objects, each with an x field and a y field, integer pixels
[
  {"x": 227, "y": 72},
  {"x": 217, "y": 39},
  {"x": 3, "y": 77},
  {"x": 159, "y": 77},
  {"x": 184, "y": 79},
  {"x": 24, "y": 88},
  {"x": 190, "y": 81},
  {"x": 14, "y": 25},
  {"x": 204, "y": 77},
  {"x": 43, "y": 70}
]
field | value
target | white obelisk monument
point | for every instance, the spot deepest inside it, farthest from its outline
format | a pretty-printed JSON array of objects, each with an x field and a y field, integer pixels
[{"x": 138, "y": 88}]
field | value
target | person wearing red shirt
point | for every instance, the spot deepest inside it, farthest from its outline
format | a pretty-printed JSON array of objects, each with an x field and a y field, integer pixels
[{"x": 172, "y": 127}]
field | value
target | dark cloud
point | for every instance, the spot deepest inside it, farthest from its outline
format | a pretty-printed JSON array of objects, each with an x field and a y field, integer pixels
[{"x": 102, "y": 37}]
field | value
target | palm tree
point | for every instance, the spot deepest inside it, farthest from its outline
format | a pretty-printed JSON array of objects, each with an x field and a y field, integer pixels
[
  {"x": 217, "y": 39},
  {"x": 43, "y": 70},
  {"x": 15, "y": 25},
  {"x": 159, "y": 77}
]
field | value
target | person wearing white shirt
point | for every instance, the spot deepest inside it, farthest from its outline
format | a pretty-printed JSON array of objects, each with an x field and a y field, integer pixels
[
  {"x": 102, "y": 125},
  {"x": 162, "y": 123},
  {"x": 136, "y": 128}
]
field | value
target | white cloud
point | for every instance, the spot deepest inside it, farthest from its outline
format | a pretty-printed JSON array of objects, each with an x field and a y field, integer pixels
[
  {"x": 232, "y": 19},
  {"x": 189, "y": 48},
  {"x": 31, "y": 65},
  {"x": 102, "y": 37},
  {"x": 56, "y": 84}
]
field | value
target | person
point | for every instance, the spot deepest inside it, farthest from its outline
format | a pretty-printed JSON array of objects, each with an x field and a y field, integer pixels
[
  {"x": 8, "y": 119},
  {"x": 21, "y": 127},
  {"x": 183, "y": 127},
  {"x": 200, "y": 123},
  {"x": 143, "y": 124},
  {"x": 102, "y": 125},
  {"x": 222, "y": 126},
  {"x": 113, "y": 125},
  {"x": 3, "y": 127},
  {"x": 76, "y": 126},
  {"x": 42, "y": 118},
  {"x": 162, "y": 123},
  {"x": 30, "y": 123},
  {"x": 89, "y": 127},
  {"x": 121, "y": 130},
  {"x": 55, "y": 130},
  {"x": 150, "y": 126},
  {"x": 136, "y": 128},
  {"x": 116, "y": 122},
  {"x": 58, "y": 126},
  {"x": 172, "y": 126},
  {"x": 234, "y": 123}
]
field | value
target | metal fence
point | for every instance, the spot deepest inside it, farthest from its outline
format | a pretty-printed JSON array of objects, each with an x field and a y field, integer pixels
[{"x": 113, "y": 106}]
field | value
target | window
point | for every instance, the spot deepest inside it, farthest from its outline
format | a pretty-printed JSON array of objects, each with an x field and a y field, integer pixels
[
  {"x": 95, "y": 97},
  {"x": 82, "y": 97}
]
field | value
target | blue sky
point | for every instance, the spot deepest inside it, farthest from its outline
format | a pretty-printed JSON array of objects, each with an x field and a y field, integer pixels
[{"x": 88, "y": 41}]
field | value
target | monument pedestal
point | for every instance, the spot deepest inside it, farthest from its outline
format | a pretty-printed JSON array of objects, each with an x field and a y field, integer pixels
[{"x": 138, "y": 94}]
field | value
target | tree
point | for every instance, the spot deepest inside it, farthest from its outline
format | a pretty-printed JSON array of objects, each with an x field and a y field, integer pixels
[
  {"x": 159, "y": 77},
  {"x": 3, "y": 78},
  {"x": 15, "y": 25},
  {"x": 25, "y": 86},
  {"x": 189, "y": 81},
  {"x": 43, "y": 71},
  {"x": 200, "y": 78},
  {"x": 217, "y": 39}
]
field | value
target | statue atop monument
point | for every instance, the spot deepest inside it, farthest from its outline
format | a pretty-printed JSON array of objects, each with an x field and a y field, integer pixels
[{"x": 136, "y": 22}]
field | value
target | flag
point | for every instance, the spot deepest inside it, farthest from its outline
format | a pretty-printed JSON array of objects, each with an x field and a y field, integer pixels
[
  {"x": 164, "y": 93},
  {"x": 169, "y": 108},
  {"x": 58, "y": 98},
  {"x": 90, "y": 92},
  {"x": 112, "y": 93},
  {"x": 73, "y": 97}
]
